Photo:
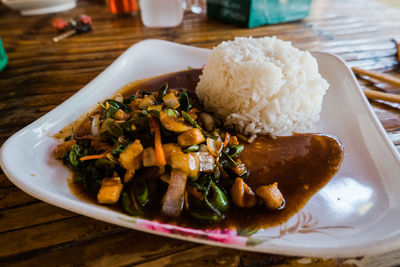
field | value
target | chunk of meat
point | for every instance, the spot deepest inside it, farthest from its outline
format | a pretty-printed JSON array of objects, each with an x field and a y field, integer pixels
[
  {"x": 155, "y": 107},
  {"x": 208, "y": 121},
  {"x": 110, "y": 190},
  {"x": 271, "y": 195},
  {"x": 173, "y": 124},
  {"x": 121, "y": 115},
  {"x": 170, "y": 149},
  {"x": 207, "y": 161},
  {"x": 239, "y": 169},
  {"x": 63, "y": 148},
  {"x": 188, "y": 163},
  {"x": 193, "y": 113},
  {"x": 171, "y": 100},
  {"x": 242, "y": 195},
  {"x": 233, "y": 141},
  {"x": 131, "y": 159},
  {"x": 191, "y": 137},
  {"x": 147, "y": 101},
  {"x": 135, "y": 103},
  {"x": 172, "y": 202}
]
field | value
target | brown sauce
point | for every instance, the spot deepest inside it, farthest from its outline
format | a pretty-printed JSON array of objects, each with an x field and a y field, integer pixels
[
  {"x": 301, "y": 164},
  {"x": 78, "y": 191},
  {"x": 184, "y": 79}
]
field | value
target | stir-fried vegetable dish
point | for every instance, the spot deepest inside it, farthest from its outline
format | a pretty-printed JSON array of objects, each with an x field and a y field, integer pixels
[{"x": 162, "y": 150}]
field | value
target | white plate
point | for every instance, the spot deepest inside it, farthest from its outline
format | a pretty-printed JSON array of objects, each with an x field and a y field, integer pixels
[{"x": 356, "y": 213}]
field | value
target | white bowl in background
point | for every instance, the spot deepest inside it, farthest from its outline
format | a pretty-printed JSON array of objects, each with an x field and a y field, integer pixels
[{"x": 38, "y": 7}]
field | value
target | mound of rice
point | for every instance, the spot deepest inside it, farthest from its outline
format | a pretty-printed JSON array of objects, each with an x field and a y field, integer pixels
[{"x": 262, "y": 85}]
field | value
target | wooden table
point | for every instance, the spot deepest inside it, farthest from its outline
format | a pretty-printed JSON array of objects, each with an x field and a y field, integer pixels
[{"x": 41, "y": 74}]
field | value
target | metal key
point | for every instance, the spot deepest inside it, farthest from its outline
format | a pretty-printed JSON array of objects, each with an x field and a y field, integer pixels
[{"x": 83, "y": 24}]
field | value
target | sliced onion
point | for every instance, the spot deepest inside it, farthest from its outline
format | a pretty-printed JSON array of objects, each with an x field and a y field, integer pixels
[
  {"x": 214, "y": 146},
  {"x": 172, "y": 203},
  {"x": 119, "y": 98},
  {"x": 95, "y": 129},
  {"x": 252, "y": 138}
]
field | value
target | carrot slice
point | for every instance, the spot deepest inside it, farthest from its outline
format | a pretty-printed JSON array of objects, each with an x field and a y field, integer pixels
[
  {"x": 227, "y": 138},
  {"x": 99, "y": 156},
  {"x": 155, "y": 127}
]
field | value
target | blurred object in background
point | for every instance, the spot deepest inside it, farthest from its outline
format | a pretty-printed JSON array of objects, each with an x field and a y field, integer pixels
[
  {"x": 196, "y": 6},
  {"x": 397, "y": 42},
  {"x": 253, "y": 13},
  {"x": 77, "y": 25},
  {"x": 161, "y": 13},
  {"x": 122, "y": 7},
  {"x": 60, "y": 24},
  {"x": 38, "y": 7},
  {"x": 3, "y": 56}
]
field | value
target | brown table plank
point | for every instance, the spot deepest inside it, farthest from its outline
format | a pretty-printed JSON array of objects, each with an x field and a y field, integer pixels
[
  {"x": 215, "y": 256},
  {"x": 122, "y": 249},
  {"x": 64, "y": 232},
  {"x": 4, "y": 182},
  {"x": 12, "y": 196},
  {"x": 30, "y": 215}
]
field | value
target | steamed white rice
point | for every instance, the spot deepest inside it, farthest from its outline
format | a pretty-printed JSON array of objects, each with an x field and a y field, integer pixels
[{"x": 262, "y": 85}]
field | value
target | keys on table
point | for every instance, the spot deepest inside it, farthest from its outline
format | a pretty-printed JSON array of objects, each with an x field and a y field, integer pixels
[
  {"x": 59, "y": 24},
  {"x": 81, "y": 24}
]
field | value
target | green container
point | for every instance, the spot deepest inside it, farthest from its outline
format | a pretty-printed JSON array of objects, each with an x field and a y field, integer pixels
[
  {"x": 253, "y": 13},
  {"x": 3, "y": 56}
]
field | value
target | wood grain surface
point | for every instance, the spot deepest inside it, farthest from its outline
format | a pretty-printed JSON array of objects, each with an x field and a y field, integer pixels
[{"x": 42, "y": 74}]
